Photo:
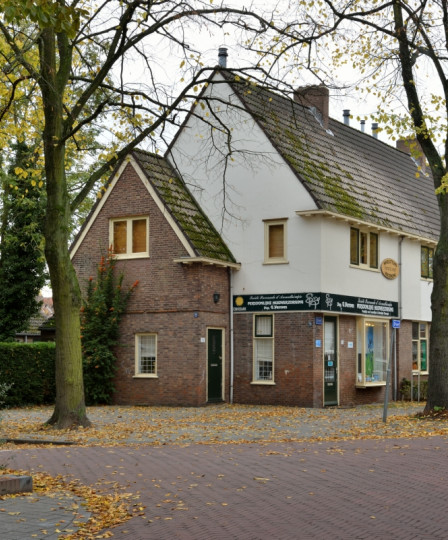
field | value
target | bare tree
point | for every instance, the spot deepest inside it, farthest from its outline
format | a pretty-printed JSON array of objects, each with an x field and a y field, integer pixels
[{"x": 77, "y": 53}]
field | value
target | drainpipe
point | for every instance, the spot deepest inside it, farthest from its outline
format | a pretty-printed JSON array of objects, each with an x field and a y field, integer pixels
[
  {"x": 231, "y": 334},
  {"x": 400, "y": 312}
]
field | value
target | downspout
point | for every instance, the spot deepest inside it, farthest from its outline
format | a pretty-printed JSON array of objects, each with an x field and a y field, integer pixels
[
  {"x": 231, "y": 334},
  {"x": 400, "y": 313}
]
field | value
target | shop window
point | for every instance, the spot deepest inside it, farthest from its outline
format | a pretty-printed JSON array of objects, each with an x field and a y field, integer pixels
[
  {"x": 275, "y": 241},
  {"x": 129, "y": 237},
  {"x": 263, "y": 349},
  {"x": 420, "y": 347},
  {"x": 426, "y": 260},
  {"x": 146, "y": 355},
  {"x": 363, "y": 248},
  {"x": 372, "y": 349}
]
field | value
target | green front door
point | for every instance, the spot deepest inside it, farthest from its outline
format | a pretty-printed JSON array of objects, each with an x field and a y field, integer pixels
[
  {"x": 214, "y": 364},
  {"x": 330, "y": 361}
]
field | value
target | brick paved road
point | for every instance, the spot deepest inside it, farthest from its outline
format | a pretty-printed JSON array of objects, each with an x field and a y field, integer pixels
[{"x": 392, "y": 489}]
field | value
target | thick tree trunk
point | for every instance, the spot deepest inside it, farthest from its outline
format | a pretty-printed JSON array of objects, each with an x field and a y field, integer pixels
[
  {"x": 438, "y": 350},
  {"x": 70, "y": 408}
]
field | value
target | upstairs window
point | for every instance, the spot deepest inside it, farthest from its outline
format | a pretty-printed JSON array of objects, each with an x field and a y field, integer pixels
[
  {"x": 275, "y": 241},
  {"x": 129, "y": 237},
  {"x": 426, "y": 260},
  {"x": 363, "y": 248}
]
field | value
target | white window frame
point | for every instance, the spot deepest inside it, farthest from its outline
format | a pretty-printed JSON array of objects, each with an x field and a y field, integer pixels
[
  {"x": 268, "y": 223},
  {"x": 418, "y": 342},
  {"x": 138, "y": 373},
  {"x": 365, "y": 379},
  {"x": 265, "y": 339},
  {"x": 359, "y": 264},
  {"x": 430, "y": 261},
  {"x": 129, "y": 254}
]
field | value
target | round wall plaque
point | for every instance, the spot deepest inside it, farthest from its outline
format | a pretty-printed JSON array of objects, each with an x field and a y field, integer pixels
[{"x": 390, "y": 268}]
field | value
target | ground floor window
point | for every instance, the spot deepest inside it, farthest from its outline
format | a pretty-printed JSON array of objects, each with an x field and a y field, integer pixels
[
  {"x": 263, "y": 341},
  {"x": 420, "y": 347},
  {"x": 372, "y": 349},
  {"x": 146, "y": 355}
]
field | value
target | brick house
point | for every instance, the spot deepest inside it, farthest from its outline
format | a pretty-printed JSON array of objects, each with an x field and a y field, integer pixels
[
  {"x": 326, "y": 234},
  {"x": 174, "y": 337}
]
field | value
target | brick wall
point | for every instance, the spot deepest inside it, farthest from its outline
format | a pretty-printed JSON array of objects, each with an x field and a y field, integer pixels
[
  {"x": 172, "y": 300},
  {"x": 298, "y": 365}
]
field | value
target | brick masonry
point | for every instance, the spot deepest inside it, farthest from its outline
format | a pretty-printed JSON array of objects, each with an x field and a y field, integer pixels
[
  {"x": 298, "y": 363},
  {"x": 175, "y": 302},
  {"x": 172, "y": 300}
]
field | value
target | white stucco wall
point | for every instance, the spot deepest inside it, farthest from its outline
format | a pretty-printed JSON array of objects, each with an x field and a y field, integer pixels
[{"x": 255, "y": 184}]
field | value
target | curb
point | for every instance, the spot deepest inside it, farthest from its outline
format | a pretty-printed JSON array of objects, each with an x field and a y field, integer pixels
[{"x": 10, "y": 484}]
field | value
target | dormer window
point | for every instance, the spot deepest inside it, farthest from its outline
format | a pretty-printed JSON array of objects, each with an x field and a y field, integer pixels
[
  {"x": 363, "y": 248},
  {"x": 129, "y": 237}
]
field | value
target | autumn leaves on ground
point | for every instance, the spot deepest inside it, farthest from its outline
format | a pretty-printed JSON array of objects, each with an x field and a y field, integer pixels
[
  {"x": 223, "y": 424},
  {"x": 109, "y": 505}
]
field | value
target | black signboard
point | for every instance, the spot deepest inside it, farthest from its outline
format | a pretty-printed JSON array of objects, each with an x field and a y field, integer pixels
[{"x": 314, "y": 302}]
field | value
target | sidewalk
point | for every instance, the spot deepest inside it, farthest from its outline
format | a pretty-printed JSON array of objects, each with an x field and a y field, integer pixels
[{"x": 213, "y": 424}]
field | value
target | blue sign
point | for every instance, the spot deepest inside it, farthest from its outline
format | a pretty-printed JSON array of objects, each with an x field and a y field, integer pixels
[
  {"x": 395, "y": 323},
  {"x": 318, "y": 321}
]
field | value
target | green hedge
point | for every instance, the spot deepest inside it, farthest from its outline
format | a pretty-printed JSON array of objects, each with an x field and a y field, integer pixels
[{"x": 29, "y": 367}]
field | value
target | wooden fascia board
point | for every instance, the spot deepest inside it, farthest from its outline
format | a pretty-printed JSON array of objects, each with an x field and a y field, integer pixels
[
  {"x": 365, "y": 224},
  {"x": 97, "y": 209},
  {"x": 162, "y": 207},
  {"x": 208, "y": 261},
  {"x": 152, "y": 192}
]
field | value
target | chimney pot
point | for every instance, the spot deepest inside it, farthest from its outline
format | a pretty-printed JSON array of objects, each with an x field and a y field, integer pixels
[
  {"x": 346, "y": 115},
  {"x": 316, "y": 96},
  {"x": 363, "y": 126},
  {"x": 375, "y": 129},
  {"x": 412, "y": 147},
  {"x": 222, "y": 57}
]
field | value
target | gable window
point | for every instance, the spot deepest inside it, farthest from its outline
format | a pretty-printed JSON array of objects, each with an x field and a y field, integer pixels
[
  {"x": 275, "y": 241},
  {"x": 420, "y": 347},
  {"x": 363, "y": 248},
  {"x": 146, "y": 355},
  {"x": 129, "y": 237},
  {"x": 263, "y": 349},
  {"x": 426, "y": 260},
  {"x": 372, "y": 348}
]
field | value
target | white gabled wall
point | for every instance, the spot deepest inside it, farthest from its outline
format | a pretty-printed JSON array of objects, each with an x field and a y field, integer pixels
[
  {"x": 237, "y": 194},
  {"x": 255, "y": 184}
]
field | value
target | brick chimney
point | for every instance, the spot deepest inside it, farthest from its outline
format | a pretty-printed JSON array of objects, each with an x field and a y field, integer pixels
[
  {"x": 317, "y": 96},
  {"x": 412, "y": 147}
]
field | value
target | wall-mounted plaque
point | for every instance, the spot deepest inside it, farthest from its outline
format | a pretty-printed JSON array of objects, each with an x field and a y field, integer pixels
[{"x": 390, "y": 268}]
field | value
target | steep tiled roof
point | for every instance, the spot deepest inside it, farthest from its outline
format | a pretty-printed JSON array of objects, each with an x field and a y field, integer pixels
[
  {"x": 346, "y": 171},
  {"x": 201, "y": 234}
]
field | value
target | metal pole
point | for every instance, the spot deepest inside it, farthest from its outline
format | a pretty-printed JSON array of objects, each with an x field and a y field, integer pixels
[{"x": 386, "y": 395}]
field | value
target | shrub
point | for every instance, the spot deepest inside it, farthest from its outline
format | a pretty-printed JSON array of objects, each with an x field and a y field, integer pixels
[
  {"x": 100, "y": 318},
  {"x": 405, "y": 390},
  {"x": 28, "y": 370}
]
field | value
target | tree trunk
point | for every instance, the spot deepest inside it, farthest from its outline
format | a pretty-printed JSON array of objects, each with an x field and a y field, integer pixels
[
  {"x": 438, "y": 347},
  {"x": 70, "y": 408}
]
